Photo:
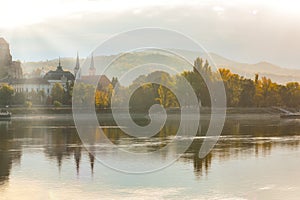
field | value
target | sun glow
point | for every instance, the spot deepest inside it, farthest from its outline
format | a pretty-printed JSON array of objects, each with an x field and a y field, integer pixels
[{"x": 15, "y": 13}]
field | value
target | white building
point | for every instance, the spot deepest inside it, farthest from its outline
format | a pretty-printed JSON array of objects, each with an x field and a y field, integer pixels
[
  {"x": 45, "y": 83},
  {"x": 31, "y": 84}
]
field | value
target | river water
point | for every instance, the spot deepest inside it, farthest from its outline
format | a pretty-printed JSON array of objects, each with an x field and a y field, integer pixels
[{"x": 256, "y": 157}]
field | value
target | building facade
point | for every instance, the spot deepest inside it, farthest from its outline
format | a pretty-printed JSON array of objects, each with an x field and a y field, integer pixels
[
  {"x": 59, "y": 75},
  {"x": 44, "y": 83},
  {"x": 31, "y": 85}
]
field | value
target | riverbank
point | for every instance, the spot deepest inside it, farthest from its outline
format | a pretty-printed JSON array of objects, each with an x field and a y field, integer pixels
[{"x": 68, "y": 110}]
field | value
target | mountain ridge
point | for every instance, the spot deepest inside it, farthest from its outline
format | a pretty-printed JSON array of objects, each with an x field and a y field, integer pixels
[{"x": 275, "y": 72}]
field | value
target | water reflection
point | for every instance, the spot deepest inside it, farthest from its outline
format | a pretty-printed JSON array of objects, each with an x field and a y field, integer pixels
[
  {"x": 242, "y": 138},
  {"x": 10, "y": 151}
]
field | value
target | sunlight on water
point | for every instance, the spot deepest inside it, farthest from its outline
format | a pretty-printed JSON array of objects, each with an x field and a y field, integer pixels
[{"x": 253, "y": 159}]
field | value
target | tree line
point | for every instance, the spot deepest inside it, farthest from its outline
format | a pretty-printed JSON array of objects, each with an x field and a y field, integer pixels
[{"x": 240, "y": 91}]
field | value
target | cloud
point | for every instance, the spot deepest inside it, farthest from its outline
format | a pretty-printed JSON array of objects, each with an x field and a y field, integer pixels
[{"x": 247, "y": 33}]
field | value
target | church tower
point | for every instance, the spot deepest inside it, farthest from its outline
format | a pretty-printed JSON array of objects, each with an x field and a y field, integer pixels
[
  {"x": 77, "y": 67},
  {"x": 59, "y": 67},
  {"x": 92, "y": 69}
]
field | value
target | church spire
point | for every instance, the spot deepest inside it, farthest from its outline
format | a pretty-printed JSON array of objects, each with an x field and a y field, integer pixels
[
  {"x": 77, "y": 66},
  {"x": 59, "y": 67},
  {"x": 92, "y": 69},
  {"x": 92, "y": 62}
]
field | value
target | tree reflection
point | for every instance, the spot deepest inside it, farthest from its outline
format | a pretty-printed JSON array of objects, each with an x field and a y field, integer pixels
[
  {"x": 10, "y": 151},
  {"x": 241, "y": 138}
]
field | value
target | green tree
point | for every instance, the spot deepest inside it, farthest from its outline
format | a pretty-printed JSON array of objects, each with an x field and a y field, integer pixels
[
  {"x": 37, "y": 98},
  {"x": 85, "y": 94},
  {"x": 67, "y": 98},
  {"x": 42, "y": 96},
  {"x": 143, "y": 98},
  {"x": 166, "y": 98},
  {"x": 247, "y": 93},
  {"x": 57, "y": 92},
  {"x": 19, "y": 98},
  {"x": 199, "y": 84},
  {"x": 28, "y": 104},
  {"x": 57, "y": 104},
  {"x": 6, "y": 94}
]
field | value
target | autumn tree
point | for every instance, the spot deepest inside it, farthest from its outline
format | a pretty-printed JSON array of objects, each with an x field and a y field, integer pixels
[
  {"x": 103, "y": 97},
  {"x": 268, "y": 93},
  {"x": 292, "y": 95},
  {"x": 166, "y": 97},
  {"x": 232, "y": 83}
]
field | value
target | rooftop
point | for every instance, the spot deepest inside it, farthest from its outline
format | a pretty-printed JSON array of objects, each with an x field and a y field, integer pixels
[
  {"x": 103, "y": 80},
  {"x": 58, "y": 74}
]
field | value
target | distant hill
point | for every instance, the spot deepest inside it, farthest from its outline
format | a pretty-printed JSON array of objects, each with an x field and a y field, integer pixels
[
  {"x": 276, "y": 73},
  {"x": 68, "y": 63}
]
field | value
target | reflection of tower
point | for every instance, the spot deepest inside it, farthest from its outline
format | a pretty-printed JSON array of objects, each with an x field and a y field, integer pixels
[
  {"x": 92, "y": 162},
  {"x": 77, "y": 66},
  {"x": 92, "y": 69},
  {"x": 77, "y": 156}
]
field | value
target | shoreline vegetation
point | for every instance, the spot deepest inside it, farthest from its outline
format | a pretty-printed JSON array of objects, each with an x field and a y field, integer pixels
[
  {"x": 204, "y": 110},
  {"x": 257, "y": 95}
]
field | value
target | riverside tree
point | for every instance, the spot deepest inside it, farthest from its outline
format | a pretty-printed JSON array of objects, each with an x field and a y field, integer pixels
[
  {"x": 57, "y": 92},
  {"x": 6, "y": 94}
]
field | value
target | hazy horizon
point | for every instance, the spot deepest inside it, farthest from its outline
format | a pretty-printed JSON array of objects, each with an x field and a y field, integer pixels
[{"x": 247, "y": 32}]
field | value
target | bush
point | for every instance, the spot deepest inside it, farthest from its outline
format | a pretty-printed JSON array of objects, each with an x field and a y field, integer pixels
[
  {"x": 28, "y": 104},
  {"x": 56, "y": 103}
]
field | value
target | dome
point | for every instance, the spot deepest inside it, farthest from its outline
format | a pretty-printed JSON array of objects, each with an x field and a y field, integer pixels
[{"x": 58, "y": 74}]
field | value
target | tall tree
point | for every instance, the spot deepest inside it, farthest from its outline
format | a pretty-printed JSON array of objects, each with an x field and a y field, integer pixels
[
  {"x": 292, "y": 94},
  {"x": 247, "y": 93},
  {"x": 232, "y": 86},
  {"x": 57, "y": 92}
]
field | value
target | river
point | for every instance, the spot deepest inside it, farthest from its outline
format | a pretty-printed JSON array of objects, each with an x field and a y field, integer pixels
[{"x": 256, "y": 157}]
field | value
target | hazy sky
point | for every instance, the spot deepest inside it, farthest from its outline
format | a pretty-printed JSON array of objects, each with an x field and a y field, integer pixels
[{"x": 247, "y": 31}]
